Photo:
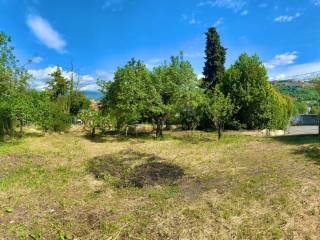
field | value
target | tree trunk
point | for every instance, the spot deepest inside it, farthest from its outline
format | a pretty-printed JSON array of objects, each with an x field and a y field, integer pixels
[
  {"x": 21, "y": 130},
  {"x": 159, "y": 127},
  {"x": 219, "y": 128},
  {"x": 127, "y": 128},
  {"x": 319, "y": 125},
  {"x": 93, "y": 132},
  {"x": 219, "y": 132}
]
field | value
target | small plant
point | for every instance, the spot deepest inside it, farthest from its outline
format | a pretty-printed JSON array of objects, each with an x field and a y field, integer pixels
[
  {"x": 221, "y": 109},
  {"x": 93, "y": 120}
]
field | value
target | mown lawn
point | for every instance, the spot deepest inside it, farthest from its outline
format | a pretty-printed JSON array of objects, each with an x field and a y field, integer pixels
[{"x": 185, "y": 186}]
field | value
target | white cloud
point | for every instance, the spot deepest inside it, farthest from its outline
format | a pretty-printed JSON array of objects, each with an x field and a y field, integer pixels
[
  {"x": 37, "y": 59},
  {"x": 190, "y": 20},
  {"x": 295, "y": 70},
  {"x": 41, "y": 76},
  {"x": 194, "y": 54},
  {"x": 45, "y": 33},
  {"x": 316, "y": 3},
  {"x": 263, "y": 5},
  {"x": 282, "y": 59},
  {"x": 287, "y": 18},
  {"x": 235, "y": 5},
  {"x": 104, "y": 75},
  {"x": 244, "y": 13},
  {"x": 113, "y": 5},
  {"x": 90, "y": 87},
  {"x": 200, "y": 76},
  {"x": 218, "y": 22},
  {"x": 151, "y": 63}
]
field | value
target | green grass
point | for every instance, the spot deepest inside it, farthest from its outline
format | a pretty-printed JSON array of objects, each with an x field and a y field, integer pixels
[{"x": 184, "y": 186}]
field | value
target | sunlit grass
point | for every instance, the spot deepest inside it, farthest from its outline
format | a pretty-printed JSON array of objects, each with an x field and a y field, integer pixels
[{"x": 186, "y": 185}]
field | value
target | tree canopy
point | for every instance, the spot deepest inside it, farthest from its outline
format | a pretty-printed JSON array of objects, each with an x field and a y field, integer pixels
[{"x": 215, "y": 57}]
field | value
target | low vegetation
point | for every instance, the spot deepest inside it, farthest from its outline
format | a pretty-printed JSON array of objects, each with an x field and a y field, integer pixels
[
  {"x": 184, "y": 186},
  {"x": 170, "y": 94}
]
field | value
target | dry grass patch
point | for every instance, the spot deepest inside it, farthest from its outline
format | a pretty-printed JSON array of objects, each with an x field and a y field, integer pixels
[{"x": 184, "y": 186}]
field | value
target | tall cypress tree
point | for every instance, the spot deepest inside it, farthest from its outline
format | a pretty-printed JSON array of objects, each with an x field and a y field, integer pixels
[{"x": 213, "y": 70}]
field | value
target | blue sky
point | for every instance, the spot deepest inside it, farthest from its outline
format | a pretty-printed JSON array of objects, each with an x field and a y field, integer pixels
[{"x": 99, "y": 35}]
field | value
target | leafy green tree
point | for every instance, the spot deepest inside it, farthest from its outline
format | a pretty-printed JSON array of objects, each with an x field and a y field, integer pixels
[
  {"x": 126, "y": 95},
  {"x": 78, "y": 103},
  {"x": 315, "y": 110},
  {"x": 13, "y": 82},
  {"x": 8, "y": 63},
  {"x": 49, "y": 115},
  {"x": 94, "y": 119},
  {"x": 300, "y": 108},
  {"x": 215, "y": 57},
  {"x": 55, "y": 113},
  {"x": 221, "y": 110},
  {"x": 22, "y": 109},
  {"x": 169, "y": 81},
  {"x": 191, "y": 106},
  {"x": 279, "y": 109},
  {"x": 246, "y": 82},
  {"x": 6, "y": 121},
  {"x": 57, "y": 85},
  {"x": 317, "y": 85}
]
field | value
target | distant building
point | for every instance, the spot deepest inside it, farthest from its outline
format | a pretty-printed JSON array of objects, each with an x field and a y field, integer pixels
[
  {"x": 93, "y": 104},
  {"x": 305, "y": 119}
]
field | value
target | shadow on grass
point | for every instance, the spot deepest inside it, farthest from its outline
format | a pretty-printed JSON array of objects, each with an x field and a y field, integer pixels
[
  {"x": 310, "y": 145},
  {"x": 193, "y": 137},
  {"x": 33, "y": 134},
  {"x": 16, "y": 137},
  {"x": 116, "y": 137},
  {"x": 134, "y": 169},
  {"x": 312, "y": 152},
  {"x": 299, "y": 139}
]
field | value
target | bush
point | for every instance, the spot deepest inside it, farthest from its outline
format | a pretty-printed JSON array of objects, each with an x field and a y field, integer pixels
[
  {"x": 259, "y": 105},
  {"x": 280, "y": 108},
  {"x": 6, "y": 122},
  {"x": 93, "y": 120},
  {"x": 52, "y": 118}
]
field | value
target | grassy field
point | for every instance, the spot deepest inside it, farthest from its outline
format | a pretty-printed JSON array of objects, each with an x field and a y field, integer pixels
[{"x": 185, "y": 186}]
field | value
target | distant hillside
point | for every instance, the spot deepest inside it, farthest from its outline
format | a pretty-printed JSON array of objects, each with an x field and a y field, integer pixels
[
  {"x": 297, "y": 89},
  {"x": 96, "y": 95}
]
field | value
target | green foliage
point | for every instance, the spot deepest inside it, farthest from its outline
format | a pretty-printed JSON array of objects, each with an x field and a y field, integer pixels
[
  {"x": 13, "y": 86},
  {"x": 138, "y": 95},
  {"x": 58, "y": 120},
  {"x": 300, "y": 108},
  {"x": 300, "y": 91},
  {"x": 259, "y": 104},
  {"x": 174, "y": 82},
  {"x": 54, "y": 110},
  {"x": 191, "y": 107},
  {"x": 57, "y": 85},
  {"x": 280, "y": 108},
  {"x": 8, "y": 64},
  {"x": 6, "y": 122},
  {"x": 21, "y": 107},
  {"x": 315, "y": 110},
  {"x": 78, "y": 102},
  {"x": 215, "y": 58},
  {"x": 126, "y": 95},
  {"x": 50, "y": 116},
  {"x": 221, "y": 109},
  {"x": 94, "y": 119}
]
